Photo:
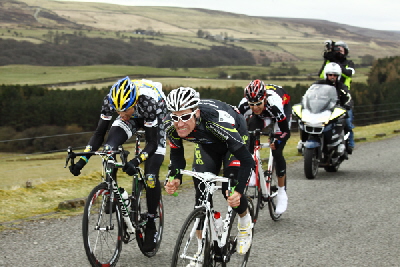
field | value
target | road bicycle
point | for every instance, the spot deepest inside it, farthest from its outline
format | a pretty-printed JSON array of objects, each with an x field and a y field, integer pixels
[
  {"x": 108, "y": 219},
  {"x": 265, "y": 185},
  {"x": 201, "y": 242}
]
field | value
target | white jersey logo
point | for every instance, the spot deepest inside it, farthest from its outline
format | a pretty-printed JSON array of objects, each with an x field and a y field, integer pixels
[{"x": 225, "y": 117}]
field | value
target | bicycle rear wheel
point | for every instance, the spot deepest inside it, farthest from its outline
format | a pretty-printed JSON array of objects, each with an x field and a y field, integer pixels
[
  {"x": 273, "y": 180},
  {"x": 189, "y": 249},
  {"x": 101, "y": 232},
  {"x": 140, "y": 219}
]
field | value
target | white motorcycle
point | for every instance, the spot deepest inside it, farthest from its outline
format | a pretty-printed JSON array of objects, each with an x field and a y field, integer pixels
[{"x": 321, "y": 122}]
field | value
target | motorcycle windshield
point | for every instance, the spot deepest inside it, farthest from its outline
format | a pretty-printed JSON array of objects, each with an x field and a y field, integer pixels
[{"x": 320, "y": 97}]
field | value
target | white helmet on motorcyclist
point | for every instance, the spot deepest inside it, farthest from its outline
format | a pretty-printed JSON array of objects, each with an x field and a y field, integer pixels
[{"x": 333, "y": 68}]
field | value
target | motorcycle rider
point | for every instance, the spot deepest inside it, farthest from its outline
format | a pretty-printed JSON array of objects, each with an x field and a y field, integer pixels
[
  {"x": 262, "y": 105},
  {"x": 139, "y": 104},
  {"x": 332, "y": 75},
  {"x": 338, "y": 52}
]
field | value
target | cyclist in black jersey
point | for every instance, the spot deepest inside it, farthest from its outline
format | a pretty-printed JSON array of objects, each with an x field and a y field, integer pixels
[
  {"x": 221, "y": 136},
  {"x": 263, "y": 105},
  {"x": 139, "y": 104}
]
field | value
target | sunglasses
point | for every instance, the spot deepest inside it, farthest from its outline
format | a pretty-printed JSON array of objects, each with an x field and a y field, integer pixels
[
  {"x": 184, "y": 117},
  {"x": 255, "y": 104},
  {"x": 333, "y": 75}
]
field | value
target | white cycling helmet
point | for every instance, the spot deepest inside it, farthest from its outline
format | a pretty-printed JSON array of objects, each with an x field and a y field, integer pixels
[
  {"x": 333, "y": 68},
  {"x": 182, "y": 98}
]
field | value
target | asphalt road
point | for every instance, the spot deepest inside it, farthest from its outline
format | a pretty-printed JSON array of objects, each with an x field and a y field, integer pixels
[{"x": 348, "y": 218}]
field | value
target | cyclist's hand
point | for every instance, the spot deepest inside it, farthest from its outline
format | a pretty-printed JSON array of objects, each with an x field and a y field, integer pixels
[
  {"x": 172, "y": 186},
  {"x": 234, "y": 199},
  {"x": 279, "y": 138},
  {"x": 130, "y": 167},
  {"x": 76, "y": 168}
]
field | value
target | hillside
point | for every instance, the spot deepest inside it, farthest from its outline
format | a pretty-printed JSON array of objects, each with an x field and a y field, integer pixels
[{"x": 279, "y": 39}]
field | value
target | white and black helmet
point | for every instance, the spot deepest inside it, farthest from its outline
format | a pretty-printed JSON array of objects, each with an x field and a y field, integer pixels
[
  {"x": 182, "y": 98},
  {"x": 333, "y": 68}
]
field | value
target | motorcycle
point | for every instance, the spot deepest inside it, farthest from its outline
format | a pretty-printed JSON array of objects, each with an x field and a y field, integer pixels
[{"x": 321, "y": 121}]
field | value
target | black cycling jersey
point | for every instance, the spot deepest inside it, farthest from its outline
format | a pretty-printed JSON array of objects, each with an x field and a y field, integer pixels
[{"x": 219, "y": 126}]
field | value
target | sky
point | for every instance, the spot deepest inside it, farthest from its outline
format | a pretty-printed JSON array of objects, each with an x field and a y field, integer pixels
[{"x": 372, "y": 14}]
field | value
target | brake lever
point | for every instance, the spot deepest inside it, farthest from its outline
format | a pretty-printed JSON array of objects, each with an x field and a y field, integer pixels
[{"x": 71, "y": 155}]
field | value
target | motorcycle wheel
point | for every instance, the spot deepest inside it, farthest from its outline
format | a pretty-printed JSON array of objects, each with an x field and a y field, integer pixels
[{"x": 311, "y": 162}]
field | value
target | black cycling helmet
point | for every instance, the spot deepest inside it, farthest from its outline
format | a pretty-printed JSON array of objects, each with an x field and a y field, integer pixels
[{"x": 255, "y": 91}]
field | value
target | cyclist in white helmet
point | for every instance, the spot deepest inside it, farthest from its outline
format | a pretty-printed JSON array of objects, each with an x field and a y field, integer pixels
[{"x": 221, "y": 136}]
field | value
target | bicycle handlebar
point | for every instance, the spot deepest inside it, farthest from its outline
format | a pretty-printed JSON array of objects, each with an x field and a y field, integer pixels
[{"x": 72, "y": 155}]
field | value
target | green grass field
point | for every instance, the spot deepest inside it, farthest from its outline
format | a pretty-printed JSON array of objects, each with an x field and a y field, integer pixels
[
  {"x": 53, "y": 184},
  {"x": 194, "y": 77}
]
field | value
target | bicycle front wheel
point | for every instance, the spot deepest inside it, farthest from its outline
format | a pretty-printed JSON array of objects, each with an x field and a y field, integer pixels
[
  {"x": 101, "y": 232},
  {"x": 141, "y": 211},
  {"x": 230, "y": 252},
  {"x": 190, "y": 249}
]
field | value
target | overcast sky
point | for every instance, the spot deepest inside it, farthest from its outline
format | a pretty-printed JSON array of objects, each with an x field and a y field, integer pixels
[{"x": 372, "y": 14}]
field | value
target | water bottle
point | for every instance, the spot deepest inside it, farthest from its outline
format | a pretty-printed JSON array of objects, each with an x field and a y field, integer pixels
[
  {"x": 125, "y": 198},
  {"x": 219, "y": 224}
]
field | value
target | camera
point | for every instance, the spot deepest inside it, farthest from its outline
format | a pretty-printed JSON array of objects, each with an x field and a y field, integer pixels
[{"x": 329, "y": 45}]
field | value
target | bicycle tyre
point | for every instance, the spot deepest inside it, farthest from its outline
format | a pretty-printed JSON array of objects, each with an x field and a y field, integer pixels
[
  {"x": 273, "y": 188},
  {"x": 186, "y": 247},
  {"x": 254, "y": 192},
  {"x": 141, "y": 209},
  {"x": 236, "y": 259},
  {"x": 102, "y": 233}
]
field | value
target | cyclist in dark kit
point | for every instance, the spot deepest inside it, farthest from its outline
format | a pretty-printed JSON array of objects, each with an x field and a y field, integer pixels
[
  {"x": 221, "y": 136},
  {"x": 139, "y": 104}
]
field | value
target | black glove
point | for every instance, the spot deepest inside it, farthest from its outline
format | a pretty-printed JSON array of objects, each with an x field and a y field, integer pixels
[
  {"x": 130, "y": 166},
  {"x": 280, "y": 138},
  {"x": 76, "y": 168},
  {"x": 172, "y": 171},
  {"x": 347, "y": 107}
]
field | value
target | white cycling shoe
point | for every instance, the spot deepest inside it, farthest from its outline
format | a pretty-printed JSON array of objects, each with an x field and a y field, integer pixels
[
  {"x": 244, "y": 238},
  {"x": 281, "y": 202}
]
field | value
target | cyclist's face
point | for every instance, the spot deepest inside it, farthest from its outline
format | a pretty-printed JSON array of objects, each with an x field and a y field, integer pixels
[
  {"x": 185, "y": 127},
  {"x": 257, "y": 107},
  {"x": 127, "y": 114}
]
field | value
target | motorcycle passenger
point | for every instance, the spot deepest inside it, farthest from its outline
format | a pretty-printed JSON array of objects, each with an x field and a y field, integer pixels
[
  {"x": 332, "y": 75},
  {"x": 262, "y": 105},
  {"x": 139, "y": 104},
  {"x": 338, "y": 52},
  {"x": 220, "y": 136}
]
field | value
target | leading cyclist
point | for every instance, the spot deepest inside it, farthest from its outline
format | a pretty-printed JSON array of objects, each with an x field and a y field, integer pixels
[
  {"x": 139, "y": 104},
  {"x": 221, "y": 136},
  {"x": 262, "y": 105}
]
